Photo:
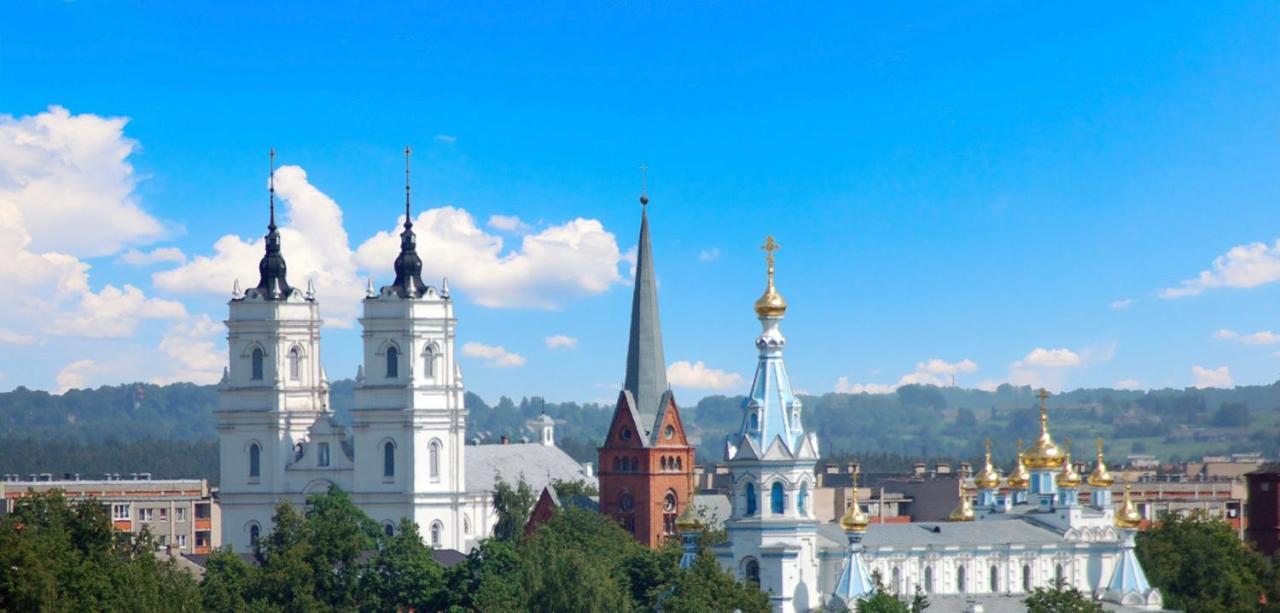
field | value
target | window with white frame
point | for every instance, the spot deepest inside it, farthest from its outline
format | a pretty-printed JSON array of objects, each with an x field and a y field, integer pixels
[
  {"x": 164, "y": 514},
  {"x": 120, "y": 511},
  {"x": 146, "y": 515},
  {"x": 182, "y": 541},
  {"x": 180, "y": 514}
]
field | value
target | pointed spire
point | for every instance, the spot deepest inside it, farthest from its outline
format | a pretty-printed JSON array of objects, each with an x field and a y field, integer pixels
[
  {"x": 646, "y": 367},
  {"x": 408, "y": 283},
  {"x": 272, "y": 284}
]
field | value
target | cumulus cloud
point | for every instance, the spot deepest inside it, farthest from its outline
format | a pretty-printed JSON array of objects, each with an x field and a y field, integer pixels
[
  {"x": 1241, "y": 266},
  {"x": 76, "y": 374},
  {"x": 9, "y": 337},
  {"x": 159, "y": 255},
  {"x": 844, "y": 386},
  {"x": 696, "y": 375},
  {"x": 446, "y": 139},
  {"x": 507, "y": 223},
  {"x": 196, "y": 351},
  {"x": 1122, "y": 304},
  {"x": 1212, "y": 377},
  {"x": 709, "y": 255},
  {"x": 1128, "y": 384},
  {"x": 1049, "y": 358},
  {"x": 933, "y": 371},
  {"x": 560, "y": 341},
  {"x": 1050, "y": 368},
  {"x": 494, "y": 356},
  {"x": 1264, "y": 337}
]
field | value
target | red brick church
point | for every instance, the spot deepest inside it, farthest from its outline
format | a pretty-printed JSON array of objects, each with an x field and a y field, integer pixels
[{"x": 646, "y": 463}]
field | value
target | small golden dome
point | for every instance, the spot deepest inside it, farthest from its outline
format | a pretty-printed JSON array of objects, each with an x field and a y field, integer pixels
[
  {"x": 1068, "y": 477},
  {"x": 1100, "y": 477},
  {"x": 688, "y": 520},
  {"x": 1127, "y": 515},
  {"x": 771, "y": 303},
  {"x": 854, "y": 519},
  {"x": 988, "y": 478},
  {"x": 962, "y": 512},
  {"x": 1044, "y": 453},
  {"x": 1020, "y": 478}
]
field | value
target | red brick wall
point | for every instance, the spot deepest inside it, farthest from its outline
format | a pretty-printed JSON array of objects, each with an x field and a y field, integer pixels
[{"x": 647, "y": 474}]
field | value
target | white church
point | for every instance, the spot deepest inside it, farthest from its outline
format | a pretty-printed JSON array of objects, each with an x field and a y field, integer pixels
[{"x": 405, "y": 455}]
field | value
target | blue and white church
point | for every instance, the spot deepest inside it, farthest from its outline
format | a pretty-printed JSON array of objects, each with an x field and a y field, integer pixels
[{"x": 1025, "y": 532}]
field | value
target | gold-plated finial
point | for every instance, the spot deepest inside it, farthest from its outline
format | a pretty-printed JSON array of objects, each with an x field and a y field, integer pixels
[
  {"x": 988, "y": 478},
  {"x": 771, "y": 303},
  {"x": 963, "y": 511},
  {"x": 1068, "y": 477},
  {"x": 1127, "y": 516},
  {"x": 854, "y": 519},
  {"x": 1044, "y": 453},
  {"x": 1100, "y": 477},
  {"x": 689, "y": 520},
  {"x": 644, "y": 185},
  {"x": 1020, "y": 478}
]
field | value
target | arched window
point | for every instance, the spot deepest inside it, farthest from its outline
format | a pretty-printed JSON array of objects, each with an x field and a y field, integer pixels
[
  {"x": 256, "y": 364},
  {"x": 429, "y": 362},
  {"x": 254, "y": 533},
  {"x": 389, "y": 459},
  {"x": 389, "y": 529},
  {"x": 1026, "y": 578},
  {"x": 960, "y": 580},
  {"x": 322, "y": 458},
  {"x": 928, "y": 579},
  {"x": 433, "y": 460},
  {"x": 393, "y": 362},
  {"x": 662, "y": 463},
  {"x": 617, "y": 464},
  {"x": 255, "y": 461},
  {"x": 777, "y": 499},
  {"x": 751, "y": 571},
  {"x": 1058, "y": 576},
  {"x": 669, "y": 505},
  {"x": 897, "y": 580},
  {"x": 295, "y": 364},
  {"x": 751, "y": 499},
  {"x": 755, "y": 421},
  {"x": 802, "y": 501},
  {"x": 995, "y": 579},
  {"x": 679, "y": 464},
  {"x": 436, "y": 532}
]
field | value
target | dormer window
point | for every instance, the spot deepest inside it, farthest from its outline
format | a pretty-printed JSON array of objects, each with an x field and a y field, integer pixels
[
  {"x": 256, "y": 364},
  {"x": 322, "y": 457},
  {"x": 393, "y": 363}
]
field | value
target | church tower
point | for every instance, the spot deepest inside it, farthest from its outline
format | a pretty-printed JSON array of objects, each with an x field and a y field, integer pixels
[
  {"x": 646, "y": 463},
  {"x": 409, "y": 420},
  {"x": 272, "y": 396},
  {"x": 772, "y": 527}
]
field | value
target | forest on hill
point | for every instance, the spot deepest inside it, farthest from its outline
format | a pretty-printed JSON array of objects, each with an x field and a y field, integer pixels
[{"x": 170, "y": 430}]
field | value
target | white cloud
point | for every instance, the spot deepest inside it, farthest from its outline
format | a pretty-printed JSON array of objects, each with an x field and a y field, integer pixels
[
  {"x": 1049, "y": 368},
  {"x": 113, "y": 313},
  {"x": 1128, "y": 384},
  {"x": 1212, "y": 377},
  {"x": 9, "y": 337},
  {"x": 495, "y": 356},
  {"x": 196, "y": 351},
  {"x": 560, "y": 341},
  {"x": 446, "y": 139},
  {"x": 76, "y": 374},
  {"x": 1264, "y": 337},
  {"x": 507, "y": 223},
  {"x": 843, "y": 386},
  {"x": 709, "y": 255},
  {"x": 696, "y": 375},
  {"x": 67, "y": 180},
  {"x": 933, "y": 371},
  {"x": 1122, "y": 304},
  {"x": 155, "y": 256},
  {"x": 1241, "y": 266},
  {"x": 1049, "y": 358}
]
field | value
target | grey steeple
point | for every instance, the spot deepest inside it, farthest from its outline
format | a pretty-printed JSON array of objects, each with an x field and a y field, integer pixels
[
  {"x": 272, "y": 284},
  {"x": 646, "y": 368},
  {"x": 408, "y": 266}
]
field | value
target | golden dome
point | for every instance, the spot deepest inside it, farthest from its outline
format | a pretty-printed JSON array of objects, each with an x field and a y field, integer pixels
[
  {"x": 964, "y": 511},
  {"x": 988, "y": 478},
  {"x": 1127, "y": 515},
  {"x": 854, "y": 519},
  {"x": 689, "y": 520},
  {"x": 1068, "y": 477},
  {"x": 1020, "y": 478},
  {"x": 1100, "y": 477},
  {"x": 1044, "y": 453},
  {"x": 771, "y": 303}
]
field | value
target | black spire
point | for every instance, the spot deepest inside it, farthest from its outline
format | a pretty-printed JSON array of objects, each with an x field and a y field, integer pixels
[
  {"x": 272, "y": 284},
  {"x": 408, "y": 283}
]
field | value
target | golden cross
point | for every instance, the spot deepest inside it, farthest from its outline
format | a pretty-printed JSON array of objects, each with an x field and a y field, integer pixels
[
  {"x": 1099, "y": 442},
  {"x": 769, "y": 247},
  {"x": 1043, "y": 395}
]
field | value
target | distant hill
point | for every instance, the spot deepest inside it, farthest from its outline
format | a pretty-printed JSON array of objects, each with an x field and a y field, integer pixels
[{"x": 170, "y": 430}]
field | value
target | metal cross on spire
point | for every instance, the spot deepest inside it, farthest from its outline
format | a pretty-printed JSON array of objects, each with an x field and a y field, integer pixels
[
  {"x": 769, "y": 247},
  {"x": 407, "y": 152},
  {"x": 271, "y": 186},
  {"x": 644, "y": 184}
]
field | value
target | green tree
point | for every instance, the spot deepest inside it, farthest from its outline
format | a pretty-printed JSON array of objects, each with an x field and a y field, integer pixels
[
  {"x": 565, "y": 489},
  {"x": 1200, "y": 564},
  {"x": 706, "y": 587},
  {"x": 487, "y": 580},
  {"x": 403, "y": 575},
  {"x": 1060, "y": 598},
  {"x": 513, "y": 505},
  {"x": 227, "y": 582},
  {"x": 880, "y": 600}
]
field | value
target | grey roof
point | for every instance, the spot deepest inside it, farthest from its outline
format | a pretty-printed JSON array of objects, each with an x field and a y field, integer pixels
[
  {"x": 712, "y": 508},
  {"x": 1011, "y": 603},
  {"x": 646, "y": 368},
  {"x": 539, "y": 465},
  {"x": 992, "y": 532}
]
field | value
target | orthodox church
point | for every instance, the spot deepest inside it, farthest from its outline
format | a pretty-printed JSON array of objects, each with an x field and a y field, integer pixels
[
  {"x": 1032, "y": 532},
  {"x": 404, "y": 455}
]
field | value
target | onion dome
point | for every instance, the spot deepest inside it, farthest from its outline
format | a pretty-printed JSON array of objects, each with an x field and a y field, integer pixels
[
  {"x": 1127, "y": 515},
  {"x": 988, "y": 478},
  {"x": 854, "y": 519},
  {"x": 1100, "y": 477},
  {"x": 689, "y": 520},
  {"x": 1044, "y": 453},
  {"x": 963, "y": 511},
  {"x": 1020, "y": 478},
  {"x": 771, "y": 303},
  {"x": 1068, "y": 478}
]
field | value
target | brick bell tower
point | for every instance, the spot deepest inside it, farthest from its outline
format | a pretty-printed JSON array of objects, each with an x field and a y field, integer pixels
[{"x": 646, "y": 463}]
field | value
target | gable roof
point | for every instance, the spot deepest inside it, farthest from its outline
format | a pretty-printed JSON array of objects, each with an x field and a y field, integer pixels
[{"x": 539, "y": 465}]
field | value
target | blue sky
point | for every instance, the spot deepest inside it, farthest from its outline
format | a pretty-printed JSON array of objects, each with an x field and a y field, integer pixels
[{"x": 999, "y": 191}]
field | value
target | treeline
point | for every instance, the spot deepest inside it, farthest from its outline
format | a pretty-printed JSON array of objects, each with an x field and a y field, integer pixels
[{"x": 164, "y": 459}]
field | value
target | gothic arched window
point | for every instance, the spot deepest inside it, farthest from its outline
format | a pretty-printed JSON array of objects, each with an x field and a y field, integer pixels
[
  {"x": 679, "y": 464},
  {"x": 995, "y": 579},
  {"x": 389, "y": 459},
  {"x": 393, "y": 362},
  {"x": 777, "y": 499},
  {"x": 751, "y": 499},
  {"x": 436, "y": 531},
  {"x": 433, "y": 459},
  {"x": 897, "y": 580},
  {"x": 256, "y": 364},
  {"x": 1026, "y": 578},
  {"x": 802, "y": 501},
  {"x": 254, "y": 532},
  {"x": 960, "y": 580},
  {"x": 751, "y": 571},
  {"x": 255, "y": 461},
  {"x": 429, "y": 362},
  {"x": 295, "y": 364},
  {"x": 389, "y": 529}
]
